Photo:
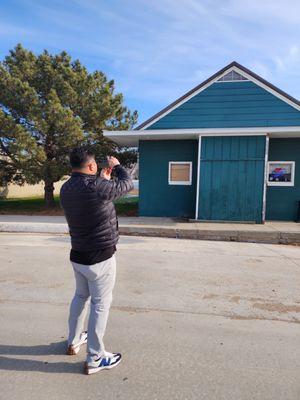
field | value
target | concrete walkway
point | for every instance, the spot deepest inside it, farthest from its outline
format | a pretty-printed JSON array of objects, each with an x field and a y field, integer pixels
[{"x": 270, "y": 232}]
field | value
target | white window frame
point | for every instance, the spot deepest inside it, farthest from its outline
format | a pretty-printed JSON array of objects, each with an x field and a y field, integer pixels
[
  {"x": 274, "y": 183},
  {"x": 189, "y": 182}
]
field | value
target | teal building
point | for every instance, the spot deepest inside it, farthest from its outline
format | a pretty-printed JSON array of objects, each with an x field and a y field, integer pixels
[{"x": 228, "y": 150}]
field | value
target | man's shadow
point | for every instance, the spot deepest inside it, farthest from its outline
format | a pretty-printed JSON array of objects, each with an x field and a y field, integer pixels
[{"x": 21, "y": 364}]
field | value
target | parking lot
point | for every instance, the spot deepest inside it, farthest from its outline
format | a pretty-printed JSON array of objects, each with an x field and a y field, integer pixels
[{"x": 193, "y": 320}]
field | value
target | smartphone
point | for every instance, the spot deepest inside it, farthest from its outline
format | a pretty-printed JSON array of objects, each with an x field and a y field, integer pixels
[{"x": 104, "y": 164}]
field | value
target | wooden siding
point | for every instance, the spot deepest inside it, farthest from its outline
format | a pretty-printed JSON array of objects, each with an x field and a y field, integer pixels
[
  {"x": 232, "y": 178},
  {"x": 282, "y": 202},
  {"x": 230, "y": 105},
  {"x": 156, "y": 197}
]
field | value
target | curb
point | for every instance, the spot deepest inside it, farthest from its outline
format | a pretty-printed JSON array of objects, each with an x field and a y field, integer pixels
[
  {"x": 22, "y": 227},
  {"x": 273, "y": 237}
]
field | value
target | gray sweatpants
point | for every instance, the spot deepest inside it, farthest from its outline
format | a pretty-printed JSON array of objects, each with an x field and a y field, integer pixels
[{"x": 96, "y": 281}]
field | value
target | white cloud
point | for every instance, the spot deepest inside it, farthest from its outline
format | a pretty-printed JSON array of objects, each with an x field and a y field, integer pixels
[
  {"x": 158, "y": 50},
  {"x": 267, "y": 11}
]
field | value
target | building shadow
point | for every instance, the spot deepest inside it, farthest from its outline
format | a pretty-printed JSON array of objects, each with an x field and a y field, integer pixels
[
  {"x": 10, "y": 363},
  {"x": 39, "y": 350},
  {"x": 19, "y": 364}
]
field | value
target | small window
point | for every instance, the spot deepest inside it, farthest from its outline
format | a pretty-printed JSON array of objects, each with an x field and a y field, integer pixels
[
  {"x": 180, "y": 173},
  {"x": 281, "y": 173}
]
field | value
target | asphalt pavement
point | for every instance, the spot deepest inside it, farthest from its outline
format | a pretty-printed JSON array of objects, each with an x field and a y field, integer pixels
[{"x": 193, "y": 320}]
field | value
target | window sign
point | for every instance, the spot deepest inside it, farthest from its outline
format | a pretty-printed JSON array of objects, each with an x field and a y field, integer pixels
[{"x": 281, "y": 173}]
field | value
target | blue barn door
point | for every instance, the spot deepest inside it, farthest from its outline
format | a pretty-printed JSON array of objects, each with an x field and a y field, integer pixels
[{"x": 232, "y": 178}]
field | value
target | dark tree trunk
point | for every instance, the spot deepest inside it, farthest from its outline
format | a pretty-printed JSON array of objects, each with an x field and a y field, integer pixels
[{"x": 49, "y": 197}]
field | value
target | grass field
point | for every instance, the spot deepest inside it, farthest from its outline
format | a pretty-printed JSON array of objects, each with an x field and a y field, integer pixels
[{"x": 35, "y": 206}]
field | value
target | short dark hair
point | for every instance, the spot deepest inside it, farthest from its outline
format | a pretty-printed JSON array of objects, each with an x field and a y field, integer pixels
[{"x": 79, "y": 156}]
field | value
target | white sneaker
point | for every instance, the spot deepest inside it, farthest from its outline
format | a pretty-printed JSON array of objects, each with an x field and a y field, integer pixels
[
  {"x": 73, "y": 349},
  {"x": 107, "y": 361}
]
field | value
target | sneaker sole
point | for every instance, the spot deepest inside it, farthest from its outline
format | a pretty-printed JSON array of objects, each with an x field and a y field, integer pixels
[{"x": 90, "y": 371}]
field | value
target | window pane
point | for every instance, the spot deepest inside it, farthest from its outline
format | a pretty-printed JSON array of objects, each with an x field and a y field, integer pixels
[
  {"x": 280, "y": 172},
  {"x": 180, "y": 172}
]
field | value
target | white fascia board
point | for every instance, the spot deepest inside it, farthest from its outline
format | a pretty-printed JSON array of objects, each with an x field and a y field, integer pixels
[
  {"x": 132, "y": 138},
  {"x": 184, "y": 100},
  {"x": 241, "y": 72},
  {"x": 268, "y": 89}
]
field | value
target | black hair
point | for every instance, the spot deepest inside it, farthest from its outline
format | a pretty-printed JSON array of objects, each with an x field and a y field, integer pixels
[{"x": 79, "y": 156}]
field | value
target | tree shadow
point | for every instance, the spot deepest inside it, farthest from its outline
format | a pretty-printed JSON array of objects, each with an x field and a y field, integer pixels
[{"x": 21, "y": 364}]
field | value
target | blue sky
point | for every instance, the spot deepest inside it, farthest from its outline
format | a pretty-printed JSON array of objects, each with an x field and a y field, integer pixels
[{"x": 157, "y": 50}]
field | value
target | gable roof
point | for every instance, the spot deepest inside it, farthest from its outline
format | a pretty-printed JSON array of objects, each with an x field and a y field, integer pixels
[{"x": 232, "y": 66}]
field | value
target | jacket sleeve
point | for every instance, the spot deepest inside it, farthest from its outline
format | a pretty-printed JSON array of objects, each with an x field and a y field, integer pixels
[{"x": 114, "y": 189}]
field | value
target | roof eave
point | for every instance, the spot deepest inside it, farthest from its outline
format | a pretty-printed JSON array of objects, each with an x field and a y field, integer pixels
[{"x": 132, "y": 138}]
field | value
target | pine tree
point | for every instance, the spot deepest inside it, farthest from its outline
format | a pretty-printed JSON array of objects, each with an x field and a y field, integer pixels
[{"x": 48, "y": 105}]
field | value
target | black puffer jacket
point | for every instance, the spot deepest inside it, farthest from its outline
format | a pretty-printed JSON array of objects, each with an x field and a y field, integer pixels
[{"x": 87, "y": 201}]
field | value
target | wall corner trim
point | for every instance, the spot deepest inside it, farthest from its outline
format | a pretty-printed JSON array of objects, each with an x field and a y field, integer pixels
[{"x": 198, "y": 177}]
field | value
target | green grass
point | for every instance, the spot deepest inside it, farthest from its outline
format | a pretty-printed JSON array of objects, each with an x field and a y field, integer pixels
[
  {"x": 35, "y": 205},
  {"x": 26, "y": 205},
  {"x": 127, "y": 206}
]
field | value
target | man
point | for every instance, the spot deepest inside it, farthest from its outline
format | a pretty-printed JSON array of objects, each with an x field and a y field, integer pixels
[{"x": 87, "y": 201}]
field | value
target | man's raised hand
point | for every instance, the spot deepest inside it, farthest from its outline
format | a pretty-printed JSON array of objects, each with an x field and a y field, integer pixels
[
  {"x": 106, "y": 173},
  {"x": 112, "y": 161}
]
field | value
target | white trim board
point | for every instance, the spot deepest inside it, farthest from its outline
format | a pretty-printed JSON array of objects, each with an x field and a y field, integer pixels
[
  {"x": 239, "y": 71},
  {"x": 264, "y": 205},
  {"x": 198, "y": 178}
]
